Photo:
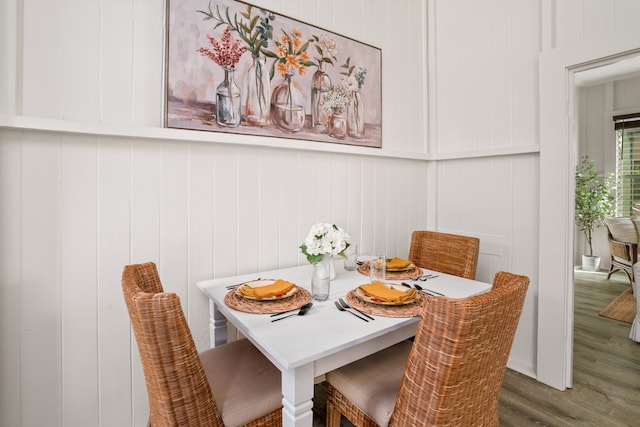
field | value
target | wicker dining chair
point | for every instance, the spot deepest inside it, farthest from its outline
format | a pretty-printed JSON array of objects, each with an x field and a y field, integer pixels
[
  {"x": 446, "y": 253},
  {"x": 450, "y": 375},
  {"x": 229, "y": 385},
  {"x": 622, "y": 235}
]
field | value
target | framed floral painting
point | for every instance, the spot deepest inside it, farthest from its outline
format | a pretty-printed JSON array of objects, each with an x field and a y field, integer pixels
[{"x": 234, "y": 67}]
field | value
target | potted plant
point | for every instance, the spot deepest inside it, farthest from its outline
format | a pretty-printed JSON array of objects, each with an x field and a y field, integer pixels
[{"x": 594, "y": 202}]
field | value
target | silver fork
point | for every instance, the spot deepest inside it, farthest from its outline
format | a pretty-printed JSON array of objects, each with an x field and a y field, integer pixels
[
  {"x": 341, "y": 308},
  {"x": 237, "y": 285},
  {"x": 347, "y": 306}
]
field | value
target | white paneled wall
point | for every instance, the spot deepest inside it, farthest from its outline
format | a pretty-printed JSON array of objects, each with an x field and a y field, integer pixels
[
  {"x": 89, "y": 205},
  {"x": 89, "y": 182},
  {"x": 485, "y": 75},
  {"x": 486, "y": 102},
  {"x": 75, "y": 207},
  {"x": 496, "y": 200},
  {"x": 87, "y": 185}
]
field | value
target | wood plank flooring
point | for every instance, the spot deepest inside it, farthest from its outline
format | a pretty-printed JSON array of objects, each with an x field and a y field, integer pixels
[{"x": 606, "y": 371}]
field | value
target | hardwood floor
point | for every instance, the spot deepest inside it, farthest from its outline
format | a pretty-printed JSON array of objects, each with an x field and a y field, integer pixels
[{"x": 606, "y": 371}]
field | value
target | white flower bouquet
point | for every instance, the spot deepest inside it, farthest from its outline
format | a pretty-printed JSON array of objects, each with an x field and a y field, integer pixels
[{"x": 324, "y": 239}]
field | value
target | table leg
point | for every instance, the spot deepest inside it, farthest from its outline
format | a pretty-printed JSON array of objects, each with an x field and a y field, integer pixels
[
  {"x": 297, "y": 391},
  {"x": 217, "y": 325}
]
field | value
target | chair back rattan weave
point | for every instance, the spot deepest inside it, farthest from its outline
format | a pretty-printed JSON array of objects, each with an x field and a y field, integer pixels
[
  {"x": 446, "y": 253},
  {"x": 177, "y": 387},
  {"x": 456, "y": 365}
]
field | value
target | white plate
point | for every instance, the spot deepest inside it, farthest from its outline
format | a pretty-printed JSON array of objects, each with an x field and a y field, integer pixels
[
  {"x": 264, "y": 282},
  {"x": 358, "y": 292}
]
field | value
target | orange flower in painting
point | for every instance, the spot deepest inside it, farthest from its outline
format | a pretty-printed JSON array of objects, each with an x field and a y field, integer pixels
[
  {"x": 282, "y": 68},
  {"x": 291, "y": 53},
  {"x": 292, "y": 61}
]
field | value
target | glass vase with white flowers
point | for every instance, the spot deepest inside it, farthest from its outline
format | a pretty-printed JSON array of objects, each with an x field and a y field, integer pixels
[
  {"x": 323, "y": 242},
  {"x": 335, "y": 105}
]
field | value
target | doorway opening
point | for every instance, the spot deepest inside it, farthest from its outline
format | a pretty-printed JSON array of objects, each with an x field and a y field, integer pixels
[{"x": 599, "y": 91}]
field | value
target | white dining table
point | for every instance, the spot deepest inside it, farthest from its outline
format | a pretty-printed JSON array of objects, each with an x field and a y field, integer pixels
[{"x": 305, "y": 347}]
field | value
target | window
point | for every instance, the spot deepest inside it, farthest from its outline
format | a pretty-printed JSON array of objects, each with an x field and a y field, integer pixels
[{"x": 627, "y": 164}]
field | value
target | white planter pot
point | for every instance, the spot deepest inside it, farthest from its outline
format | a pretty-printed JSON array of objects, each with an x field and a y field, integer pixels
[{"x": 590, "y": 263}]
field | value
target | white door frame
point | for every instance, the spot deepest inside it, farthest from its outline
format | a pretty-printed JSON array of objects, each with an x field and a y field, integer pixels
[{"x": 558, "y": 154}]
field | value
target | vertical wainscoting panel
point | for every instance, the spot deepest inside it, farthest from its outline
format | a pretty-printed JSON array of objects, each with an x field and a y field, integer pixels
[
  {"x": 147, "y": 39},
  {"x": 354, "y": 188},
  {"x": 524, "y": 256},
  {"x": 146, "y": 211},
  {"x": 369, "y": 208},
  {"x": 486, "y": 92},
  {"x": 40, "y": 301},
  {"x": 80, "y": 37},
  {"x": 11, "y": 326},
  {"x": 41, "y": 63},
  {"x": 146, "y": 208},
  {"x": 115, "y": 353},
  {"x": 116, "y": 25},
  {"x": 228, "y": 165},
  {"x": 522, "y": 119},
  {"x": 496, "y": 199},
  {"x": 174, "y": 208},
  {"x": 377, "y": 177},
  {"x": 474, "y": 198},
  {"x": 269, "y": 200},
  {"x": 248, "y": 232},
  {"x": 200, "y": 237},
  {"x": 309, "y": 176},
  {"x": 292, "y": 184},
  {"x": 499, "y": 219},
  {"x": 78, "y": 279}
]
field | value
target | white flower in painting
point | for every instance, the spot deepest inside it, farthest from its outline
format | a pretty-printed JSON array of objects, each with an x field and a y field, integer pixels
[
  {"x": 328, "y": 45},
  {"x": 349, "y": 83},
  {"x": 336, "y": 98}
]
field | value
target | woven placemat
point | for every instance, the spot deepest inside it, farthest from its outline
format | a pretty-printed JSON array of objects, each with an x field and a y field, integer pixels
[
  {"x": 297, "y": 300},
  {"x": 407, "y": 310},
  {"x": 393, "y": 275}
]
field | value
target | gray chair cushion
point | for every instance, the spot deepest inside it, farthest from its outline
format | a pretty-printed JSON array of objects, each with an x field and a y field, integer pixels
[
  {"x": 622, "y": 229},
  {"x": 248, "y": 391},
  {"x": 373, "y": 383}
]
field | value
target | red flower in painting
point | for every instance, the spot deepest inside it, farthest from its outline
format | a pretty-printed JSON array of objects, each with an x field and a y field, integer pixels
[{"x": 227, "y": 53}]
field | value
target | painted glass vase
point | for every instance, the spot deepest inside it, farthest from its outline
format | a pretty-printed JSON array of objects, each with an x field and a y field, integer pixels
[
  {"x": 257, "y": 108},
  {"x": 320, "y": 84},
  {"x": 287, "y": 105},
  {"x": 228, "y": 100},
  {"x": 338, "y": 123},
  {"x": 355, "y": 116}
]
